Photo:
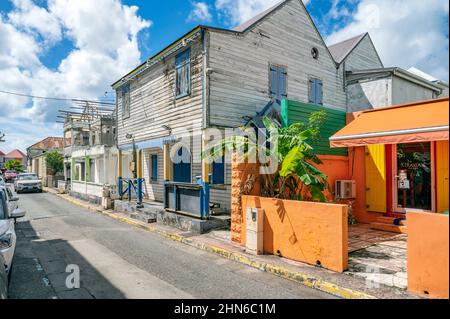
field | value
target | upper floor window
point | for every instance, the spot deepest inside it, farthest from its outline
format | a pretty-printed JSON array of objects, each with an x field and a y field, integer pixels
[
  {"x": 126, "y": 101},
  {"x": 277, "y": 82},
  {"x": 183, "y": 73},
  {"x": 316, "y": 91}
]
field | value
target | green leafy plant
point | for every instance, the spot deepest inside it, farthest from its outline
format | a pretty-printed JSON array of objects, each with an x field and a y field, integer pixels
[
  {"x": 297, "y": 177},
  {"x": 14, "y": 165},
  {"x": 54, "y": 161}
]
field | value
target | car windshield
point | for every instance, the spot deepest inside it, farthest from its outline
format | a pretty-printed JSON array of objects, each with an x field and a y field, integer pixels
[{"x": 27, "y": 177}]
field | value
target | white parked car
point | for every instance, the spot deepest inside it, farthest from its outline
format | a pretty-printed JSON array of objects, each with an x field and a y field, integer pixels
[
  {"x": 27, "y": 183},
  {"x": 3, "y": 280},
  {"x": 9, "y": 213}
]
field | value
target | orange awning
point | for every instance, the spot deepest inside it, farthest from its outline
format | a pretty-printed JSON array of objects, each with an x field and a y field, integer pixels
[{"x": 418, "y": 122}]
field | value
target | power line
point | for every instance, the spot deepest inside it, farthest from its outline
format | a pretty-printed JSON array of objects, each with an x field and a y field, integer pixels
[{"x": 56, "y": 98}]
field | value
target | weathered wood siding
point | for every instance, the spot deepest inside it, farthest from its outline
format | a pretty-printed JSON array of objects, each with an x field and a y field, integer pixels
[
  {"x": 363, "y": 57},
  {"x": 153, "y": 101},
  {"x": 239, "y": 79}
]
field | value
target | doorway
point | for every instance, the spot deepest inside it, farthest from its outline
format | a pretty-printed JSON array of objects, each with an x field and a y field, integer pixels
[
  {"x": 414, "y": 177},
  {"x": 182, "y": 170}
]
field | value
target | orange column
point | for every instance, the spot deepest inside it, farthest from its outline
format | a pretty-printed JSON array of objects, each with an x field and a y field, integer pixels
[{"x": 244, "y": 181}]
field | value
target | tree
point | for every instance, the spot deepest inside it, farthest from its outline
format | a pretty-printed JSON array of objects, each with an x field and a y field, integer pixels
[
  {"x": 54, "y": 161},
  {"x": 297, "y": 177},
  {"x": 14, "y": 165}
]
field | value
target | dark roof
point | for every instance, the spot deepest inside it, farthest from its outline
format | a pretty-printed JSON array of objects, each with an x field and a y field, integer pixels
[
  {"x": 271, "y": 110},
  {"x": 1, "y": 153},
  {"x": 247, "y": 24},
  {"x": 341, "y": 50}
]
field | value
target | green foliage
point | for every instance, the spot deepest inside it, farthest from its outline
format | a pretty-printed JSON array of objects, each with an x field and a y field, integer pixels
[
  {"x": 297, "y": 178},
  {"x": 54, "y": 161},
  {"x": 14, "y": 165}
]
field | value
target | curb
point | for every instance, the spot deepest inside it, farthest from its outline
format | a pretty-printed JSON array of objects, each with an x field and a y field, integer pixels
[{"x": 301, "y": 278}]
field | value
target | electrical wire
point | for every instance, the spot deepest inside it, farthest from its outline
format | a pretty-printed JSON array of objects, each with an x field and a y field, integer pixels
[{"x": 109, "y": 102}]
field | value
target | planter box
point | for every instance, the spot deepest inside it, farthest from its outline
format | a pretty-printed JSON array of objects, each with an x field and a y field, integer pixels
[{"x": 313, "y": 233}]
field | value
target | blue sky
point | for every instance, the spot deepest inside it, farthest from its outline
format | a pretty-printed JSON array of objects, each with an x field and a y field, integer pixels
[{"x": 50, "y": 47}]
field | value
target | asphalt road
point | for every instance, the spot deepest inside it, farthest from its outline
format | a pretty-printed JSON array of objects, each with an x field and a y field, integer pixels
[{"x": 116, "y": 260}]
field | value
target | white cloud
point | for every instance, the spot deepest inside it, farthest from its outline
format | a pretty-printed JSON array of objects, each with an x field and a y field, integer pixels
[
  {"x": 239, "y": 11},
  {"x": 26, "y": 15},
  {"x": 105, "y": 39},
  {"x": 405, "y": 34},
  {"x": 200, "y": 12}
]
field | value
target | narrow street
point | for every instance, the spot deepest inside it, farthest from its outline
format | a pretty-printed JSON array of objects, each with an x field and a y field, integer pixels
[{"x": 119, "y": 261}]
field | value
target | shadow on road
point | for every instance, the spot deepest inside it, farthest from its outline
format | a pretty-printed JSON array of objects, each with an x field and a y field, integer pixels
[{"x": 39, "y": 270}]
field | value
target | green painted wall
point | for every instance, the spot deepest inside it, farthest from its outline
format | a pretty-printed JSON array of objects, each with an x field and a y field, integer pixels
[{"x": 295, "y": 112}]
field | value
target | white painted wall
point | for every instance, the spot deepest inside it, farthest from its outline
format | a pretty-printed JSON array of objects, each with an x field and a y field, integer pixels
[
  {"x": 404, "y": 92},
  {"x": 369, "y": 95}
]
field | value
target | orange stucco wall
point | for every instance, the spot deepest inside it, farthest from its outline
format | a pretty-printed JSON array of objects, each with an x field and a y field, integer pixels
[
  {"x": 314, "y": 233},
  {"x": 428, "y": 251},
  {"x": 336, "y": 167}
]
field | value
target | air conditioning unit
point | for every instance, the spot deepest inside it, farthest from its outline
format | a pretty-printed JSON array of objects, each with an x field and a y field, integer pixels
[{"x": 345, "y": 190}]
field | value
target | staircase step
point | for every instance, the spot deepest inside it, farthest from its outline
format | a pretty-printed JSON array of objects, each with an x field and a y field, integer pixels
[
  {"x": 143, "y": 218},
  {"x": 389, "y": 228}
]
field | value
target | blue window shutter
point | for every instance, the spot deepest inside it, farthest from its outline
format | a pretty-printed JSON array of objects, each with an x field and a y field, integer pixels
[
  {"x": 218, "y": 176},
  {"x": 312, "y": 91},
  {"x": 154, "y": 168},
  {"x": 273, "y": 81},
  {"x": 281, "y": 84},
  {"x": 319, "y": 94}
]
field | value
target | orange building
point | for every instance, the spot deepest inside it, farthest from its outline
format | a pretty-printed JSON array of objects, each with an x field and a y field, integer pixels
[{"x": 399, "y": 158}]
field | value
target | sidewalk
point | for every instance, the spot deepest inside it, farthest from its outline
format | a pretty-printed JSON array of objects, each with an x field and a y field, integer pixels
[{"x": 341, "y": 285}]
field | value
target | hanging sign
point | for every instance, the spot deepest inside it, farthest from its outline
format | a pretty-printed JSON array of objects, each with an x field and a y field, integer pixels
[{"x": 403, "y": 182}]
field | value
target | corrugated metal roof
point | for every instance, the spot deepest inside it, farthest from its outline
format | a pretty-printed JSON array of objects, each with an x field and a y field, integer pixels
[
  {"x": 341, "y": 50},
  {"x": 247, "y": 24}
]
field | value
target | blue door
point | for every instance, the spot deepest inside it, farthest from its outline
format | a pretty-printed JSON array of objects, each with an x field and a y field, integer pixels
[{"x": 182, "y": 166}]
